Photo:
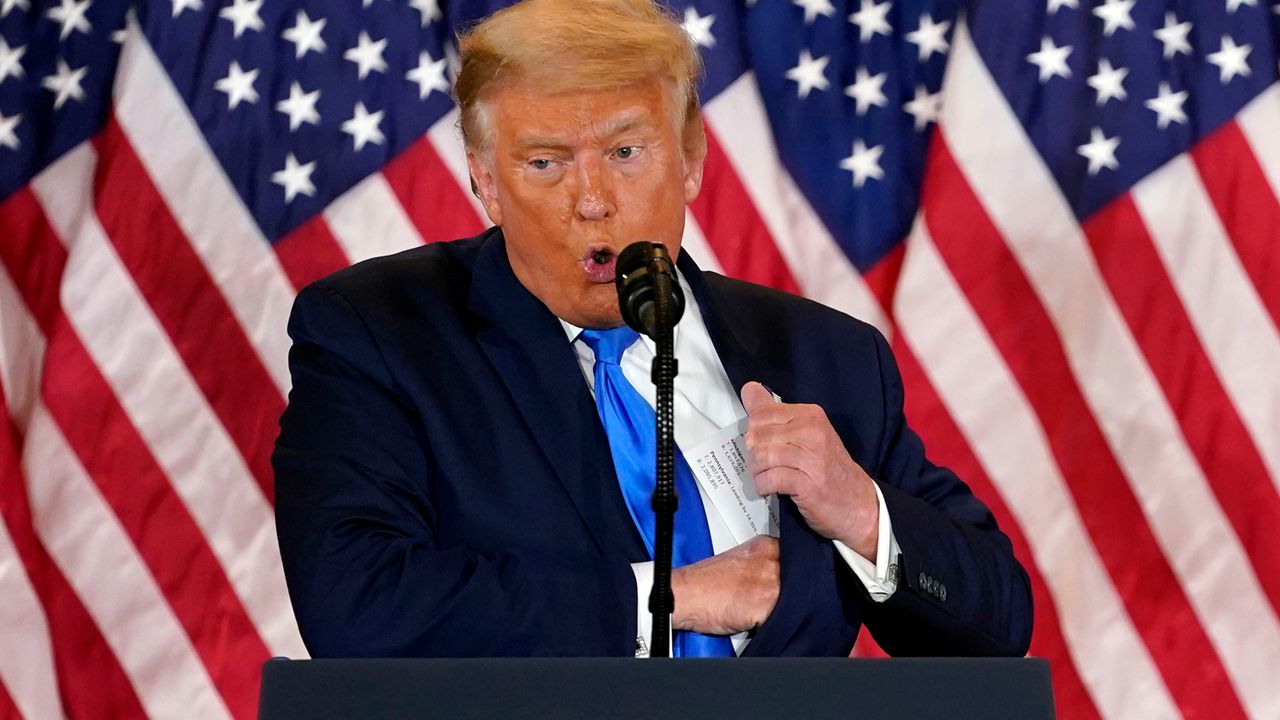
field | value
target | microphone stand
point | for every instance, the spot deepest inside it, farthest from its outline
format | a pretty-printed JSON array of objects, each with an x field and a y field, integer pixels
[{"x": 663, "y": 373}]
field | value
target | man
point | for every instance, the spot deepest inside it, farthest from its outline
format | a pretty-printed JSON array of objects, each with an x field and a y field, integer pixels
[{"x": 445, "y": 485}]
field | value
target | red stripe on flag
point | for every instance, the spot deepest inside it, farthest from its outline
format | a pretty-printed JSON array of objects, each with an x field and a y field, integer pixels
[
  {"x": 882, "y": 278},
  {"x": 81, "y": 402},
  {"x": 90, "y": 680},
  {"x": 1248, "y": 207},
  {"x": 947, "y": 446},
  {"x": 430, "y": 196},
  {"x": 187, "y": 302},
  {"x": 7, "y": 707},
  {"x": 310, "y": 252},
  {"x": 1022, "y": 330},
  {"x": 1217, "y": 437},
  {"x": 733, "y": 228}
]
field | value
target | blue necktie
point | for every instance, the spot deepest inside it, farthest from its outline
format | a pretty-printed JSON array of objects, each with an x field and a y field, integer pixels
[{"x": 630, "y": 424}]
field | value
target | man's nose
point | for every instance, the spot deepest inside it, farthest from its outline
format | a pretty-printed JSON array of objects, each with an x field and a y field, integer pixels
[{"x": 595, "y": 191}]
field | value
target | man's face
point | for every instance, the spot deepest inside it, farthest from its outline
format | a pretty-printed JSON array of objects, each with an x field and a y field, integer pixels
[{"x": 574, "y": 178}]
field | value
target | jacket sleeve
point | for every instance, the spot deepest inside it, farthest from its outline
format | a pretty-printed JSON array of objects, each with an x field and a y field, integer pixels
[
  {"x": 960, "y": 589},
  {"x": 357, "y": 521}
]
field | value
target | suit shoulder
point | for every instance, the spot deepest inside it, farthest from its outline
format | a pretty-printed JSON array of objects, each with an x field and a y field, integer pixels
[{"x": 442, "y": 268}]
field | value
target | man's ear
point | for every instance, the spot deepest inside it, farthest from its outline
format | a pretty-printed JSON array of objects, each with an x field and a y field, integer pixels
[
  {"x": 695, "y": 152},
  {"x": 485, "y": 188}
]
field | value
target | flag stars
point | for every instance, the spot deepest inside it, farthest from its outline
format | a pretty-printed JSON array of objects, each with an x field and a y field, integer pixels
[
  {"x": 1109, "y": 82},
  {"x": 1173, "y": 36},
  {"x": 1051, "y": 59},
  {"x": 810, "y": 73},
  {"x": 429, "y": 75},
  {"x": 1116, "y": 15},
  {"x": 8, "y": 5},
  {"x": 367, "y": 55},
  {"x": 295, "y": 178},
  {"x": 698, "y": 28},
  {"x": 1231, "y": 59},
  {"x": 238, "y": 85},
  {"x": 864, "y": 163},
  {"x": 363, "y": 127},
  {"x": 428, "y": 10},
  {"x": 300, "y": 107},
  {"x": 11, "y": 61},
  {"x": 1054, "y": 5},
  {"x": 867, "y": 90},
  {"x": 305, "y": 35},
  {"x": 872, "y": 19},
  {"x": 925, "y": 107},
  {"x": 814, "y": 8},
  {"x": 1100, "y": 151},
  {"x": 243, "y": 15},
  {"x": 1167, "y": 106},
  {"x": 1234, "y": 5},
  {"x": 179, "y": 6},
  {"x": 930, "y": 37},
  {"x": 70, "y": 14},
  {"x": 9, "y": 138},
  {"x": 65, "y": 84}
]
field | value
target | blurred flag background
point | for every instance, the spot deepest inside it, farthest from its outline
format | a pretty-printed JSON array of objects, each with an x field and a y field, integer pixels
[{"x": 1063, "y": 213}]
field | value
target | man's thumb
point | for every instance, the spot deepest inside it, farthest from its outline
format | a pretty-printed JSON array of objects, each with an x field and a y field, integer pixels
[{"x": 755, "y": 396}]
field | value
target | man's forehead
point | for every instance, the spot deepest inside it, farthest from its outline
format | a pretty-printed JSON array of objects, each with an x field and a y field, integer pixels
[{"x": 526, "y": 116}]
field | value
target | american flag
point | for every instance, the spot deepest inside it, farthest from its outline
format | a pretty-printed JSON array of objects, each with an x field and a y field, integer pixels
[{"x": 1063, "y": 212}]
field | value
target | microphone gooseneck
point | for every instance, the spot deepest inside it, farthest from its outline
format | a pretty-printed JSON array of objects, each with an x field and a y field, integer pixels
[{"x": 651, "y": 302}]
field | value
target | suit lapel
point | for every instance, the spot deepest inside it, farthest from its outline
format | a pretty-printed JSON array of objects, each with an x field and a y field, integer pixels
[{"x": 527, "y": 346}]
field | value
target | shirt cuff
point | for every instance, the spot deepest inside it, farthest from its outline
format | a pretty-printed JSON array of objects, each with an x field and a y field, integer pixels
[
  {"x": 881, "y": 577},
  {"x": 644, "y": 619}
]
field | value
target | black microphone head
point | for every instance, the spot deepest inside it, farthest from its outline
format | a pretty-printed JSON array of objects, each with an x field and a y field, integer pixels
[{"x": 637, "y": 266}]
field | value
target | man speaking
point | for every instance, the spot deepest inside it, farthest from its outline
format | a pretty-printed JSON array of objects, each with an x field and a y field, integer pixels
[{"x": 465, "y": 464}]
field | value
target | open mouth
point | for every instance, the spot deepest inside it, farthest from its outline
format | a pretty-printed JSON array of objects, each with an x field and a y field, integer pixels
[{"x": 599, "y": 263}]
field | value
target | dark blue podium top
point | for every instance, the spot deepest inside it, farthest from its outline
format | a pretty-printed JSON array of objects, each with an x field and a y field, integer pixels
[{"x": 734, "y": 689}]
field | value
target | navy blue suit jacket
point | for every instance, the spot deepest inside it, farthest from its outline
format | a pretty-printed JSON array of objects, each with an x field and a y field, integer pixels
[{"x": 444, "y": 486}]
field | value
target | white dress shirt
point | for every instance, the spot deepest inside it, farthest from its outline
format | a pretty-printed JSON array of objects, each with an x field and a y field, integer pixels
[{"x": 704, "y": 402}]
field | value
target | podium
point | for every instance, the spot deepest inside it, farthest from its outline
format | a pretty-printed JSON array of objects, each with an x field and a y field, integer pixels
[{"x": 731, "y": 688}]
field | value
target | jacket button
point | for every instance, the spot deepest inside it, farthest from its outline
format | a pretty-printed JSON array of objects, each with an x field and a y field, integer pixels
[
  {"x": 942, "y": 593},
  {"x": 922, "y": 585}
]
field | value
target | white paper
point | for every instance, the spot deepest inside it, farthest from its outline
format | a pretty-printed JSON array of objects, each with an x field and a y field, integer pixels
[{"x": 720, "y": 466}]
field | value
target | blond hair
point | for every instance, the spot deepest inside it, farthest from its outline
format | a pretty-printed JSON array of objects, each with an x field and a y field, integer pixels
[{"x": 577, "y": 45}]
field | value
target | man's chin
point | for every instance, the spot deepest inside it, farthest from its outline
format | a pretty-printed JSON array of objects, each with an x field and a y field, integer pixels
[{"x": 599, "y": 313}]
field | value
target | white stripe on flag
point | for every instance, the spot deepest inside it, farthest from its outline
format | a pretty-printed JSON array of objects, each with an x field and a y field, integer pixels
[
  {"x": 21, "y": 353},
  {"x": 204, "y": 203},
  {"x": 368, "y": 221},
  {"x": 1260, "y": 122},
  {"x": 87, "y": 543},
  {"x": 1230, "y": 320},
  {"x": 990, "y": 146},
  {"x": 822, "y": 270},
  {"x": 447, "y": 140},
  {"x": 26, "y": 665},
  {"x": 162, "y": 401},
  {"x": 696, "y": 243},
  {"x": 963, "y": 364}
]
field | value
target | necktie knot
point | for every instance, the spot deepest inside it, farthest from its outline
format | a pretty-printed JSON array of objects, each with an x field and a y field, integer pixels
[{"x": 608, "y": 345}]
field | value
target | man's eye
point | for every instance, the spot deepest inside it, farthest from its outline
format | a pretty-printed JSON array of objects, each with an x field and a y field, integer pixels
[
  {"x": 626, "y": 153},
  {"x": 540, "y": 164}
]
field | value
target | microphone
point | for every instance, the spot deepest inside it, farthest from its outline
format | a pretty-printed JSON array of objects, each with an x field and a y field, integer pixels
[{"x": 636, "y": 277}]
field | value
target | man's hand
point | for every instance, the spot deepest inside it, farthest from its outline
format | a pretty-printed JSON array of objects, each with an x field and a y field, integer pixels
[
  {"x": 793, "y": 450},
  {"x": 730, "y": 592}
]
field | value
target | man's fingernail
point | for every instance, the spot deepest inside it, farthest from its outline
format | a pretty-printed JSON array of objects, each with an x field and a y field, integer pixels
[{"x": 776, "y": 397}]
